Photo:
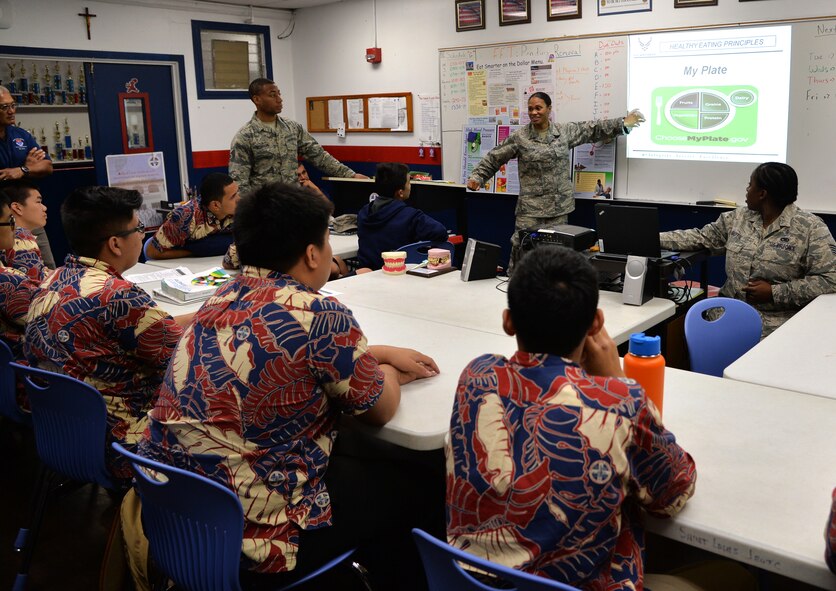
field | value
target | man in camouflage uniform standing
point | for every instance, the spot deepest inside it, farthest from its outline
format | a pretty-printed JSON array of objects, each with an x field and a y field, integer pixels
[
  {"x": 778, "y": 257},
  {"x": 542, "y": 150},
  {"x": 267, "y": 149}
]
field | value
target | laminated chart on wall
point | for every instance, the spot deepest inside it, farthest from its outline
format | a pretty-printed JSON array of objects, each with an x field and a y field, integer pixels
[
  {"x": 145, "y": 173},
  {"x": 478, "y": 140},
  {"x": 593, "y": 170},
  {"x": 507, "y": 179}
]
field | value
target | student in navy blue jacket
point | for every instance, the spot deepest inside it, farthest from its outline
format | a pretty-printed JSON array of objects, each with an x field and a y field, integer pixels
[{"x": 387, "y": 222}]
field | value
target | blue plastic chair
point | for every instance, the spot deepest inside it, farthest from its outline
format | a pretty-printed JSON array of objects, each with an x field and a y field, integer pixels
[
  {"x": 195, "y": 527},
  {"x": 145, "y": 249},
  {"x": 69, "y": 418},
  {"x": 715, "y": 344},
  {"x": 8, "y": 389},
  {"x": 441, "y": 564},
  {"x": 417, "y": 251}
]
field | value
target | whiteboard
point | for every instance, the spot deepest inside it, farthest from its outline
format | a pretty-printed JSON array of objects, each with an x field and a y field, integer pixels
[{"x": 591, "y": 83}]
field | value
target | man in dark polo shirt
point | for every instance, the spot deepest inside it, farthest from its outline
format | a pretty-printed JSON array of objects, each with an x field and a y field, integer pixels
[
  {"x": 21, "y": 157},
  {"x": 20, "y": 154}
]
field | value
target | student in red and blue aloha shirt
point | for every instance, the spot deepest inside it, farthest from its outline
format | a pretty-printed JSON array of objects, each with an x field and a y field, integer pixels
[
  {"x": 200, "y": 227},
  {"x": 16, "y": 289},
  {"x": 30, "y": 214},
  {"x": 92, "y": 324},
  {"x": 552, "y": 452},
  {"x": 253, "y": 395}
]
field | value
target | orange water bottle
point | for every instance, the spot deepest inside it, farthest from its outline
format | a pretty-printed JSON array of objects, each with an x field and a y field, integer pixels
[{"x": 645, "y": 364}]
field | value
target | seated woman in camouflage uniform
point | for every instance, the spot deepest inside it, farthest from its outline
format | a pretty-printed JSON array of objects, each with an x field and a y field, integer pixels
[{"x": 778, "y": 257}]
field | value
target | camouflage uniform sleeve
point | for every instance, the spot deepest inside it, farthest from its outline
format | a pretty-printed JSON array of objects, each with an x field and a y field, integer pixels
[
  {"x": 712, "y": 236},
  {"x": 241, "y": 160},
  {"x": 584, "y": 132},
  {"x": 820, "y": 275},
  {"x": 489, "y": 165},
  {"x": 310, "y": 149}
]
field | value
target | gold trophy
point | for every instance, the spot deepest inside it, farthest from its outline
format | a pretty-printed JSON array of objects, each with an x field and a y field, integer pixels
[
  {"x": 12, "y": 85},
  {"x": 82, "y": 92},
  {"x": 58, "y": 146},
  {"x": 70, "y": 84},
  {"x": 49, "y": 96},
  {"x": 68, "y": 140},
  {"x": 36, "y": 85}
]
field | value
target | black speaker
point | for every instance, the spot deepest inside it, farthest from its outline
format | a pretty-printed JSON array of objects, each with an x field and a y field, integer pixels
[{"x": 480, "y": 259}]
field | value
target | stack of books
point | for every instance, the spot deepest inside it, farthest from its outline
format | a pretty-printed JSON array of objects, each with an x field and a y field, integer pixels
[{"x": 194, "y": 287}]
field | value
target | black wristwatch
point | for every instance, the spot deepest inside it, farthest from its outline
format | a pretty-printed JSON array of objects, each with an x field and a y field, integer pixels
[{"x": 24, "y": 170}]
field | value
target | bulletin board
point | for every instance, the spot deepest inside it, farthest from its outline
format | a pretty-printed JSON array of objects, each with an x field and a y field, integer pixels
[
  {"x": 590, "y": 82},
  {"x": 381, "y": 112}
]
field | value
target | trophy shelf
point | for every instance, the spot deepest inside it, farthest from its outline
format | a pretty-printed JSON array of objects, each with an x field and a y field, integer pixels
[{"x": 24, "y": 108}]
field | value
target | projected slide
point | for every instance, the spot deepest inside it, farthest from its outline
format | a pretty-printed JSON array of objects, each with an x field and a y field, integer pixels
[{"x": 716, "y": 95}]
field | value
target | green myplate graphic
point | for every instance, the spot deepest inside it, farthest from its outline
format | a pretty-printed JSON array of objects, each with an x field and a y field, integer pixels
[{"x": 709, "y": 116}]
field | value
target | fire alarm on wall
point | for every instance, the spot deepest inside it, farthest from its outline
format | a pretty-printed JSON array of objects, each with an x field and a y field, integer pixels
[{"x": 374, "y": 55}]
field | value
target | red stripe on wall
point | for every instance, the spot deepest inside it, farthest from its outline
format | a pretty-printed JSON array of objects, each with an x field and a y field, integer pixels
[
  {"x": 211, "y": 159},
  {"x": 406, "y": 154}
]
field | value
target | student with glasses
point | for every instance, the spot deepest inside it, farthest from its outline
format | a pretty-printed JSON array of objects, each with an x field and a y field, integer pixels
[
  {"x": 97, "y": 326},
  {"x": 16, "y": 289},
  {"x": 20, "y": 154}
]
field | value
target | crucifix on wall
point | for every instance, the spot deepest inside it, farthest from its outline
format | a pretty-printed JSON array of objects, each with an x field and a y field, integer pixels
[{"x": 87, "y": 15}]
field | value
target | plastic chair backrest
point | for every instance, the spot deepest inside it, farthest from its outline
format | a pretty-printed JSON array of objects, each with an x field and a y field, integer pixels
[
  {"x": 443, "y": 571},
  {"x": 70, "y": 422},
  {"x": 194, "y": 525},
  {"x": 715, "y": 344},
  {"x": 417, "y": 251},
  {"x": 145, "y": 248},
  {"x": 8, "y": 389}
]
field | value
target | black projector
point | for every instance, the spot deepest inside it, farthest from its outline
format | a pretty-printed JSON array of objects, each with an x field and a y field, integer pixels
[{"x": 574, "y": 237}]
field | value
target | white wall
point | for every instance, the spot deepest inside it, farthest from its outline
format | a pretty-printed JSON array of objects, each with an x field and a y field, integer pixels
[
  {"x": 329, "y": 42},
  {"x": 151, "y": 29}
]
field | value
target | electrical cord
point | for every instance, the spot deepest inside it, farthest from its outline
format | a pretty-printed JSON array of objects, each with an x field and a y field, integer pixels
[
  {"x": 681, "y": 294},
  {"x": 291, "y": 26},
  {"x": 527, "y": 243}
]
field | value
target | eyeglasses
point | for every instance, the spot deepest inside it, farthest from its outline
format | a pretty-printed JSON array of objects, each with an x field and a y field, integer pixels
[
  {"x": 11, "y": 222},
  {"x": 140, "y": 229},
  {"x": 8, "y": 107}
]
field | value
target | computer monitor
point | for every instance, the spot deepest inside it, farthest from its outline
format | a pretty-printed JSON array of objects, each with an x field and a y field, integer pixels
[{"x": 628, "y": 229}]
